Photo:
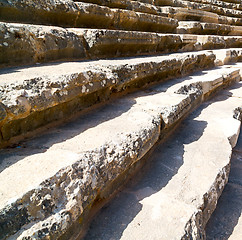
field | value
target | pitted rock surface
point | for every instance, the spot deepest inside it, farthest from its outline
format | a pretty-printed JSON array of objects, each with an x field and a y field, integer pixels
[{"x": 60, "y": 194}]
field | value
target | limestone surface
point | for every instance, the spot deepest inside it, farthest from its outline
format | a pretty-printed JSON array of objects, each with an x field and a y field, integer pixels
[
  {"x": 195, "y": 27},
  {"x": 198, "y": 15},
  {"x": 67, "y": 13},
  {"x": 137, "y": 6},
  {"x": 201, "y": 6},
  {"x": 23, "y": 43},
  {"x": 27, "y": 43},
  {"x": 236, "y": 4},
  {"x": 226, "y": 220},
  {"x": 31, "y": 98},
  {"x": 96, "y": 98},
  {"x": 70, "y": 168},
  {"x": 177, "y": 192}
]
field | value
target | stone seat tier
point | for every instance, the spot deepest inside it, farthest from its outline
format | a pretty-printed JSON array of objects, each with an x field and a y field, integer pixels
[
  {"x": 34, "y": 96},
  {"x": 201, "y": 6},
  {"x": 28, "y": 44},
  {"x": 194, "y": 27},
  {"x": 220, "y": 3},
  {"x": 50, "y": 184},
  {"x": 232, "y": 1},
  {"x": 79, "y": 14},
  {"x": 174, "y": 195},
  {"x": 194, "y": 14},
  {"x": 172, "y": 12},
  {"x": 167, "y": 2},
  {"x": 198, "y": 15},
  {"x": 149, "y": 6},
  {"x": 224, "y": 4},
  {"x": 136, "y": 6}
]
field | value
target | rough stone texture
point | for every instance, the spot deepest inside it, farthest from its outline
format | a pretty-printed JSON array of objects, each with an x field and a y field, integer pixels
[
  {"x": 176, "y": 193},
  {"x": 31, "y": 98},
  {"x": 51, "y": 185},
  {"x": 225, "y": 57},
  {"x": 224, "y": 4},
  {"x": 229, "y": 20},
  {"x": 113, "y": 43},
  {"x": 182, "y": 14},
  {"x": 77, "y": 14},
  {"x": 199, "y": 42},
  {"x": 194, "y": 27},
  {"x": 189, "y": 14},
  {"x": 73, "y": 174},
  {"x": 200, "y": 6},
  {"x": 226, "y": 220},
  {"x": 137, "y": 6},
  {"x": 22, "y": 43},
  {"x": 28, "y": 44}
]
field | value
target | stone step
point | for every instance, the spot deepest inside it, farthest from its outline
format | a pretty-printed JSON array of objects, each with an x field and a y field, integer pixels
[
  {"x": 136, "y": 6},
  {"x": 194, "y": 27},
  {"x": 66, "y": 13},
  {"x": 232, "y": 1},
  {"x": 198, "y": 15},
  {"x": 201, "y": 6},
  {"x": 224, "y": 4},
  {"x": 226, "y": 220},
  {"x": 172, "y": 12},
  {"x": 50, "y": 184},
  {"x": 176, "y": 193},
  {"x": 149, "y": 6},
  {"x": 35, "y": 96},
  {"x": 29, "y": 44}
]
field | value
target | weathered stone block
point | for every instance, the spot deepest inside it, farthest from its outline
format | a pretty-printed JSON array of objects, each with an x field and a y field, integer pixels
[
  {"x": 35, "y": 92},
  {"x": 23, "y": 43},
  {"x": 79, "y": 14},
  {"x": 72, "y": 176},
  {"x": 201, "y": 6},
  {"x": 192, "y": 27}
]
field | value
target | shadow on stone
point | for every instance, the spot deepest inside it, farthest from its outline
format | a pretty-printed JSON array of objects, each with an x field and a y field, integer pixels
[
  {"x": 64, "y": 132},
  {"x": 226, "y": 216},
  {"x": 161, "y": 165},
  {"x": 79, "y": 123}
]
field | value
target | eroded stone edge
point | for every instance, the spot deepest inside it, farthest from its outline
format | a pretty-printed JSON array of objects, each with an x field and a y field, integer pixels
[
  {"x": 35, "y": 96},
  {"x": 76, "y": 208}
]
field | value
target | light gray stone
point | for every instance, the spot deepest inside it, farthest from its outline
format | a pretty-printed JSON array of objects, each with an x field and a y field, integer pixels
[
  {"x": 28, "y": 44},
  {"x": 73, "y": 174},
  {"x": 27, "y": 93},
  {"x": 194, "y": 27},
  {"x": 78, "y": 14},
  {"x": 202, "y": 6}
]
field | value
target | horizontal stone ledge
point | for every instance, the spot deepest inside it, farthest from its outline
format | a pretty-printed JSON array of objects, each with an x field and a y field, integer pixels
[
  {"x": 189, "y": 14},
  {"x": 136, "y": 6},
  {"x": 78, "y": 14},
  {"x": 184, "y": 14},
  {"x": 220, "y": 3},
  {"x": 34, "y": 96},
  {"x": 193, "y": 27},
  {"x": 31, "y": 98},
  {"x": 232, "y": 1},
  {"x": 60, "y": 176},
  {"x": 236, "y": 4},
  {"x": 201, "y": 6},
  {"x": 28, "y": 44},
  {"x": 229, "y": 20},
  {"x": 175, "y": 193}
]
